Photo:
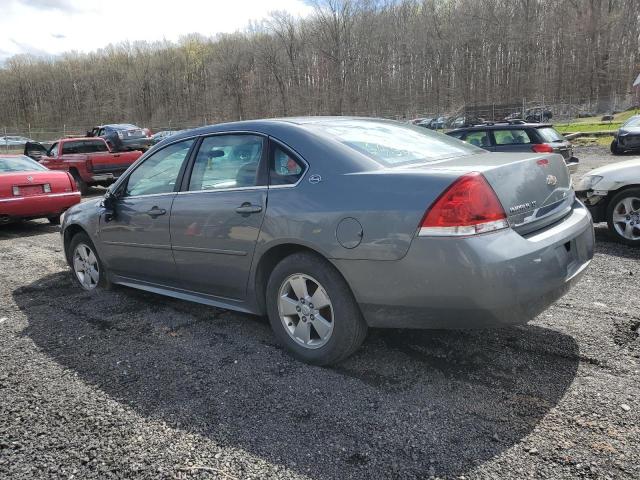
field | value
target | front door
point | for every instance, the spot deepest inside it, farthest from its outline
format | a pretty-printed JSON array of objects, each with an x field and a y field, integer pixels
[
  {"x": 216, "y": 219},
  {"x": 135, "y": 237}
]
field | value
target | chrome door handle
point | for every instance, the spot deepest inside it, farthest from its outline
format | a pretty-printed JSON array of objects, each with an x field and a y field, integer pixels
[
  {"x": 156, "y": 212},
  {"x": 247, "y": 208}
]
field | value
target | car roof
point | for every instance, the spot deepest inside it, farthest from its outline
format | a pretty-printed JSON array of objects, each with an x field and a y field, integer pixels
[
  {"x": 118, "y": 125},
  {"x": 502, "y": 126},
  {"x": 76, "y": 139}
]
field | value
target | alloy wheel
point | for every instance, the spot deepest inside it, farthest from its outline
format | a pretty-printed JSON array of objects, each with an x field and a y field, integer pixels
[
  {"x": 86, "y": 267},
  {"x": 626, "y": 218},
  {"x": 306, "y": 311}
]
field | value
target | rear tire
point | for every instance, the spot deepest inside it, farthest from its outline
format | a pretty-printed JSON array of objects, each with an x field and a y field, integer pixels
[
  {"x": 81, "y": 185},
  {"x": 615, "y": 149},
  {"x": 88, "y": 271},
  {"x": 335, "y": 325},
  {"x": 622, "y": 210}
]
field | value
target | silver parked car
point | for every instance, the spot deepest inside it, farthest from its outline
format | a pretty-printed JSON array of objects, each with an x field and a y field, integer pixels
[{"x": 332, "y": 225}]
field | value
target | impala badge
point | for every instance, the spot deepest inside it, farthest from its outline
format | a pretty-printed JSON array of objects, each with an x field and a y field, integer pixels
[
  {"x": 523, "y": 207},
  {"x": 30, "y": 179},
  {"x": 552, "y": 180}
]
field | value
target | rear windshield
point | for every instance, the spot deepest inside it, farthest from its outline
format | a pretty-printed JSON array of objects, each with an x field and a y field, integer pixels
[
  {"x": 19, "y": 164},
  {"x": 632, "y": 122},
  {"x": 550, "y": 134},
  {"x": 84, "y": 146},
  {"x": 391, "y": 143},
  {"x": 124, "y": 126}
]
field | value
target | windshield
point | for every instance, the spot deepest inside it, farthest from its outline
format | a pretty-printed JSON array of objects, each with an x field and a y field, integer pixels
[
  {"x": 550, "y": 134},
  {"x": 632, "y": 122},
  {"x": 391, "y": 143},
  {"x": 19, "y": 164}
]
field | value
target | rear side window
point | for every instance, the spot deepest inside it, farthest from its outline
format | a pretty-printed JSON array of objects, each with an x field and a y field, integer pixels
[
  {"x": 549, "y": 134},
  {"x": 92, "y": 146},
  {"x": 285, "y": 169},
  {"x": 478, "y": 138},
  {"x": 511, "y": 137}
]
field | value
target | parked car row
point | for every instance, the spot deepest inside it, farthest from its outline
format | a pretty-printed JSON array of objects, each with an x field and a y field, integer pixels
[
  {"x": 251, "y": 217},
  {"x": 30, "y": 190},
  {"x": 518, "y": 136}
]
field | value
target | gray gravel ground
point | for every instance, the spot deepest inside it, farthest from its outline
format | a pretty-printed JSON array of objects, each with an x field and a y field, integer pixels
[{"x": 127, "y": 384}]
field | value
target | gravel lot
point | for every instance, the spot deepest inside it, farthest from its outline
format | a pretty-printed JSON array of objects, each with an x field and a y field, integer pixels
[{"x": 127, "y": 384}]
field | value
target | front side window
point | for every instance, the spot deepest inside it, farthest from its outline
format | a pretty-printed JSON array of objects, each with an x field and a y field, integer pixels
[
  {"x": 285, "y": 168},
  {"x": 227, "y": 161},
  {"x": 632, "y": 122},
  {"x": 511, "y": 137},
  {"x": 159, "y": 173}
]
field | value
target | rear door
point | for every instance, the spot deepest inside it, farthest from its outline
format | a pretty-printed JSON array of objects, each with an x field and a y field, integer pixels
[
  {"x": 216, "y": 218},
  {"x": 135, "y": 237}
]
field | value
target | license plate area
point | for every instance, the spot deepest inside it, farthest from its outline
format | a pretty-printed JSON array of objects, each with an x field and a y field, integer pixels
[{"x": 30, "y": 190}]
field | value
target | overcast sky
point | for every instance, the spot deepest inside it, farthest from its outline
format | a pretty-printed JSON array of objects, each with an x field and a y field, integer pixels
[{"x": 49, "y": 27}]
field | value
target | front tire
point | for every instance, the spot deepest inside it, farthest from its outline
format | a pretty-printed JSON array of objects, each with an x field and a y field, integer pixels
[
  {"x": 312, "y": 311},
  {"x": 615, "y": 149},
  {"x": 88, "y": 271},
  {"x": 623, "y": 216},
  {"x": 81, "y": 185}
]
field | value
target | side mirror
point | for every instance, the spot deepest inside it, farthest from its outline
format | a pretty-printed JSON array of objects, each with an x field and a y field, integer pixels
[{"x": 109, "y": 200}]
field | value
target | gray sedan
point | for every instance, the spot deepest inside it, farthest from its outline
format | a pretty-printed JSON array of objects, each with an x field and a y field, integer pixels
[{"x": 333, "y": 225}]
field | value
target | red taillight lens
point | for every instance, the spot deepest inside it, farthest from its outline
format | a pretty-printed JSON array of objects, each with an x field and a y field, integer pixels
[
  {"x": 542, "y": 148},
  {"x": 89, "y": 165},
  {"x": 469, "y": 206}
]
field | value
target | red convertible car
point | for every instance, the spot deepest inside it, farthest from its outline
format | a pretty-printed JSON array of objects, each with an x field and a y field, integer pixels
[{"x": 29, "y": 190}]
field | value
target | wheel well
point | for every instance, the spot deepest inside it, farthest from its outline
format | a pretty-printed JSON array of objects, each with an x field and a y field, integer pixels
[
  {"x": 70, "y": 232},
  {"x": 267, "y": 263},
  {"x": 613, "y": 193}
]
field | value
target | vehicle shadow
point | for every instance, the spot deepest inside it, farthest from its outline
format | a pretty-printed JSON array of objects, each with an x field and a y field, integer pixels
[
  {"x": 607, "y": 243},
  {"x": 28, "y": 228},
  {"x": 408, "y": 404}
]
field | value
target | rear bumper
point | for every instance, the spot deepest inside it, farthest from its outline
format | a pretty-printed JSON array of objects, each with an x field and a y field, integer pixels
[
  {"x": 37, "y": 206},
  {"x": 628, "y": 142},
  {"x": 497, "y": 279}
]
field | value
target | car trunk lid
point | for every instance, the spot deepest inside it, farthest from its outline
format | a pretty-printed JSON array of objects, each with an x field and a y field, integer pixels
[
  {"x": 534, "y": 189},
  {"x": 33, "y": 183}
]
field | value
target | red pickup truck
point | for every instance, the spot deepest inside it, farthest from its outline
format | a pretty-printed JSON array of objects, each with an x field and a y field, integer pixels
[{"x": 88, "y": 160}]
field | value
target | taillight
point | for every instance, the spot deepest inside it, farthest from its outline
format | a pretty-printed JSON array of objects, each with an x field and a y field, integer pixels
[
  {"x": 72, "y": 182},
  {"x": 89, "y": 165},
  {"x": 15, "y": 190},
  {"x": 542, "y": 148},
  {"x": 46, "y": 188},
  {"x": 468, "y": 207}
]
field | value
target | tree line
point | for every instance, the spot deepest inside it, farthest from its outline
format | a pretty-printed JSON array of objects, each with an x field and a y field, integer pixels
[{"x": 362, "y": 57}]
